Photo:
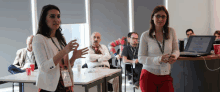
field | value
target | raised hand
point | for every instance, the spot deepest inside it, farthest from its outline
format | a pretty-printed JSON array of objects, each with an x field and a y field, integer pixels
[
  {"x": 79, "y": 53},
  {"x": 72, "y": 45}
]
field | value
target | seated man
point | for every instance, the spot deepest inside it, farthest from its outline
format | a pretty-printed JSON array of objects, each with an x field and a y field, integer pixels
[
  {"x": 130, "y": 55},
  {"x": 24, "y": 57},
  {"x": 98, "y": 57},
  {"x": 189, "y": 32}
]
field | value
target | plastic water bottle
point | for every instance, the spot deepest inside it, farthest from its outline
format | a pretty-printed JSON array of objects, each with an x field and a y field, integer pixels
[
  {"x": 134, "y": 63},
  {"x": 78, "y": 64}
]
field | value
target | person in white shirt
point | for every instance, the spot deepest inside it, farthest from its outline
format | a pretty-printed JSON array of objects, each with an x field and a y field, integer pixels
[
  {"x": 51, "y": 53},
  {"x": 24, "y": 57},
  {"x": 157, "y": 51},
  {"x": 98, "y": 57}
]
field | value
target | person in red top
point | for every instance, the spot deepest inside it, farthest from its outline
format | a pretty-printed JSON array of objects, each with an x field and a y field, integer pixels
[{"x": 121, "y": 42}]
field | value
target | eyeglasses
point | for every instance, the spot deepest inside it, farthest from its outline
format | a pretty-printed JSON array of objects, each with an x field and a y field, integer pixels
[
  {"x": 134, "y": 38},
  {"x": 163, "y": 16}
]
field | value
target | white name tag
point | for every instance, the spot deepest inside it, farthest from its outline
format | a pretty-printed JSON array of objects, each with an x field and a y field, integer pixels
[{"x": 66, "y": 78}]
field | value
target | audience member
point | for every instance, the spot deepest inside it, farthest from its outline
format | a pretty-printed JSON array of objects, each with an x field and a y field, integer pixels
[
  {"x": 24, "y": 57},
  {"x": 98, "y": 57},
  {"x": 217, "y": 34},
  {"x": 189, "y": 32},
  {"x": 121, "y": 42},
  {"x": 130, "y": 55}
]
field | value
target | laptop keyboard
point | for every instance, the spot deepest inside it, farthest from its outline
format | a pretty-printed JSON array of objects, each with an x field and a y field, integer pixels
[{"x": 192, "y": 53}]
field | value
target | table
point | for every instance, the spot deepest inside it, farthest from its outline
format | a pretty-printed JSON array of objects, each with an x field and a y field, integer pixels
[
  {"x": 20, "y": 78},
  {"x": 96, "y": 77},
  {"x": 190, "y": 74},
  {"x": 131, "y": 75},
  {"x": 112, "y": 73},
  {"x": 87, "y": 80}
]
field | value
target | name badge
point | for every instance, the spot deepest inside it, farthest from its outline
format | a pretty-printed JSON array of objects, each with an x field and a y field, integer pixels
[{"x": 66, "y": 78}]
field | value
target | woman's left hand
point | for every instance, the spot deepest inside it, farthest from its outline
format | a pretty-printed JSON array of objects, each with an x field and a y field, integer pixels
[
  {"x": 172, "y": 59},
  {"x": 79, "y": 53}
]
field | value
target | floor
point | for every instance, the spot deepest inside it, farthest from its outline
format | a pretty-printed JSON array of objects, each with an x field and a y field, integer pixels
[
  {"x": 9, "y": 89},
  {"x": 129, "y": 87}
]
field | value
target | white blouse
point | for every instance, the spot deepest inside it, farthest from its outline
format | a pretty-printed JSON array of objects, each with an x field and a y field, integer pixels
[{"x": 149, "y": 53}]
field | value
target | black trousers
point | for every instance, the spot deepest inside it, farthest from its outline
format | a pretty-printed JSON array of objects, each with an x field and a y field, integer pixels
[{"x": 136, "y": 71}]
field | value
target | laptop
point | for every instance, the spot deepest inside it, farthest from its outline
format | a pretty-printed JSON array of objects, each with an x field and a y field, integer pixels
[{"x": 198, "y": 46}]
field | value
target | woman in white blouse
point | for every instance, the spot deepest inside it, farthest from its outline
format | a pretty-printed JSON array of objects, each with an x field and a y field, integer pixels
[
  {"x": 51, "y": 53},
  {"x": 158, "y": 50}
]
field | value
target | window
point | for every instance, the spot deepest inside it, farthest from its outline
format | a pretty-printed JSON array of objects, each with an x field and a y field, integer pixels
[{"x": 75, "y": 31}]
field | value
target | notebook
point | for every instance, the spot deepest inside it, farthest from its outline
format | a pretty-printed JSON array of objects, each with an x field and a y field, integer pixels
[{"x": 198, "y": 46}]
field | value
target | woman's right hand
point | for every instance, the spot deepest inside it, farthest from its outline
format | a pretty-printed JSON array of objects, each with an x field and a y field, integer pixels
[
  {"x": 165, "y": 58},
  {"x": 72, "y": 45}
]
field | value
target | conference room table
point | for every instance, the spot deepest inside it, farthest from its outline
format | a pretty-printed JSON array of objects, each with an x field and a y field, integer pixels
[
  {"x": 194, "y": 74},
  {"x": 86, "y": 77}
]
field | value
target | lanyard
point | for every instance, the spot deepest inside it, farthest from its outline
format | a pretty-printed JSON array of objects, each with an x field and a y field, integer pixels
[
  {"x": 65, "y": 67},
  {"x": 161, "y": 48},
  {"x": 134, "y": 52}
]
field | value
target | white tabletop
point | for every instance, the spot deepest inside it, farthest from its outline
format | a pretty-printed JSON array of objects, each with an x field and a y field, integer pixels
[
  {"x": 21, "y": 77},
  {"x": 109, "y": 72},
  {"x": 86, "y": 76},
  {"x": 90, "y": 75}
]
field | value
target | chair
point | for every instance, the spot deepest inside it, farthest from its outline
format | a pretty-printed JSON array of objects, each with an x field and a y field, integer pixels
[{"x": 131, "y": 75}]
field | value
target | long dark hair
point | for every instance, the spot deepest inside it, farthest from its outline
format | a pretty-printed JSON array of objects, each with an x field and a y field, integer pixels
[
  {"x": 152, "y": 25},
  {"x": 43, "y": 27}
]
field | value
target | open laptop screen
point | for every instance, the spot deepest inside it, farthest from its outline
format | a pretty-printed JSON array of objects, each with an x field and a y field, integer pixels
[{"x": 200, "y": 44}]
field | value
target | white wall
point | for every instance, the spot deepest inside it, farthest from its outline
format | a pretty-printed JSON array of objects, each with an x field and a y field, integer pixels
[
  {"x": 109, "y": 18},
  {"x": 15, "y": 27},
  {"x": 195, "y": 14},
  {"x": 142, "y": 14},
  {"x": 72, "y": 11},
  {"x": 215, "y": 15}
]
